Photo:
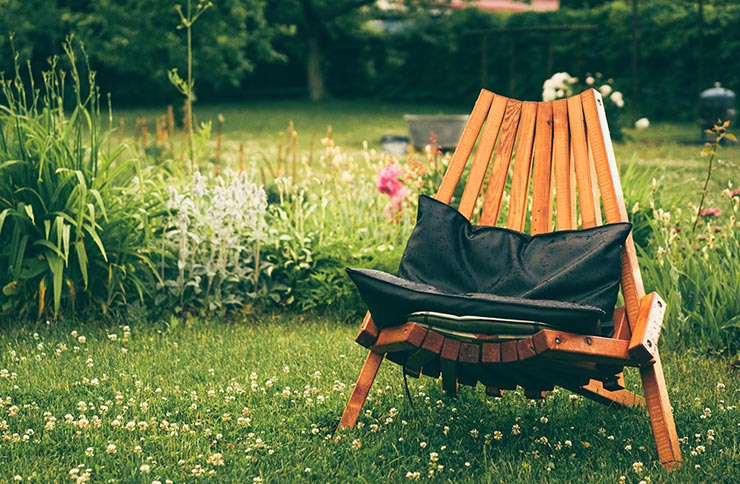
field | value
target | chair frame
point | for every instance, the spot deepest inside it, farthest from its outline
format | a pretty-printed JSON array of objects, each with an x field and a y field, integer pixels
[{"x": 564, "y": 149}]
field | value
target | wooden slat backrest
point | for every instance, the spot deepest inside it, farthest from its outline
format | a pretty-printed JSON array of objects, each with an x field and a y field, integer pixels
[{"x": 557, "y": 160}]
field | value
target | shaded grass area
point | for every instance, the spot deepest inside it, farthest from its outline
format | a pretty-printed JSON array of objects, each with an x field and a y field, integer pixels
[{"x": 258, "y": 401}]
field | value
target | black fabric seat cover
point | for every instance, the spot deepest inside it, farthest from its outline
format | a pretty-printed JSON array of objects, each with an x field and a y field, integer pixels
[{"x": 566, "y": 278}]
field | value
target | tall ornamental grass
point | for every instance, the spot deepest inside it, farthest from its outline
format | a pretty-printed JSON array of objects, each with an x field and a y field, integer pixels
[
  {"x": 697, "y": 270},
  {"x": 72, "y": 227}
]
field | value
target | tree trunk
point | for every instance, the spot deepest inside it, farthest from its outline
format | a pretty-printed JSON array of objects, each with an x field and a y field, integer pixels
[{"x": 314, "y": 70}]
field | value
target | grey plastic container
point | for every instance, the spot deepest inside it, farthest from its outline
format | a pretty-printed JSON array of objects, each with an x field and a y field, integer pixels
[{"x": 447, "y": 127}]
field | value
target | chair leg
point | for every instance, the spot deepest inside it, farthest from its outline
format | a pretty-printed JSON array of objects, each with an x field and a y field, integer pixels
[
  {"x": 361, "y": 391},
  {"x": 661, "y": 414},
  {"x": 595, "y": 391}
]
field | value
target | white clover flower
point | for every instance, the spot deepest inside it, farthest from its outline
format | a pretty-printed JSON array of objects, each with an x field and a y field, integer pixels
[
  {"x": 605, "y": 90},
  {"x": 111, "y": 449},
  {"x": 590, "y": 81},
  {"x": 216, "y": 459}
]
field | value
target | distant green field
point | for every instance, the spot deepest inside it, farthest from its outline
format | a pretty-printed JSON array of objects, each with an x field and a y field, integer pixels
[{"x": 258, "y": 124}]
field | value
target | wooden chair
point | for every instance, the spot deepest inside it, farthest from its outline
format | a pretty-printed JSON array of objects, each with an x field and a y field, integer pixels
[{"x": 563, "y": 151}]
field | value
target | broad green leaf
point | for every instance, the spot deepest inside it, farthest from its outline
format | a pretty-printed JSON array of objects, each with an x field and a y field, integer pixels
[
  {"x": 82, "y": 259},
  {"x": 50, "y": 246},
  {"x": 56, "y": 265},
  {"x": 3, "y": 215}
]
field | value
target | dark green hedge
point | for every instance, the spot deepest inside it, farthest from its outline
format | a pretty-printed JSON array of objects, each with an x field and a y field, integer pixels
[
  {"x": 437, "y": 57},
  {"x": 441, "y": 59}
]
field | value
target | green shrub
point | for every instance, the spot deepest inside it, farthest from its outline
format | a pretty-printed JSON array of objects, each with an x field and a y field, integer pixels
[
  {"x": 329, "y": 221},
  {"x": 71, "y": 225}
]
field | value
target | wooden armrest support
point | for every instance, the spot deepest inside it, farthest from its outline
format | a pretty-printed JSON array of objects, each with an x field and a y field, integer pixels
[
  {"x": 646, "y": 331},
  {"x": 408, "y": 337},
  {"x": 368, "y": 332},
  {"x": 588, "y": 348}
]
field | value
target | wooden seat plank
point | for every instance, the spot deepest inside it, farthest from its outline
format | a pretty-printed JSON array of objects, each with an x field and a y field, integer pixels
[
  {"x": 429, "y": 350},
  {"x": 400, "y": 338},
  {"x": 448, "y": 365},
  {"x": 469, "y": 359}
]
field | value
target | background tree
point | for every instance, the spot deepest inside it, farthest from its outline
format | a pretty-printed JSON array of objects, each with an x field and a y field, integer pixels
[
  {"x": 316, "y": 24},
  {"x": 133, "y": 43}
]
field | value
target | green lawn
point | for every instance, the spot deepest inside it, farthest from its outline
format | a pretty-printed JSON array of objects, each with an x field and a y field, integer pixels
[{"x": 261, "y": 397}]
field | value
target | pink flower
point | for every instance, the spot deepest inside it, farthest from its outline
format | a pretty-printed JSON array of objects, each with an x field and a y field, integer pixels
[
  {"x": 710, "y": 212},
  {"x": 735, "y": 193},
  {"x": 389, "y": 181}
]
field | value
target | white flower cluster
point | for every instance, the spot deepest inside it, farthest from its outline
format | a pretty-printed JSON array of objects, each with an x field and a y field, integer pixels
[
  {"x": 559, "y": 86},
  {"x": 562, "y": 85},
  {"x": 216, "y": 225}
]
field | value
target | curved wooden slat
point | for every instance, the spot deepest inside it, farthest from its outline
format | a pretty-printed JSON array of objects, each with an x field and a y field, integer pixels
[
  {"x": 611, "y": 192},
  {"x": 501, "y": 162},
  {"x": 519, "y": 198},
  {"x": 565, "y": 192},
  {"x": 542, "y": 171},
  {"x": 464, "y": 147},
  {"x": 587, "y": 199},
  {"x": 482, "y": 157}
]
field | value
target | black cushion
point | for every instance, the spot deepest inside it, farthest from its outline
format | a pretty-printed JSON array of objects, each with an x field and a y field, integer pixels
[
  {"x": 392, "y": 299},
  {"x": 448, "y": 256}
]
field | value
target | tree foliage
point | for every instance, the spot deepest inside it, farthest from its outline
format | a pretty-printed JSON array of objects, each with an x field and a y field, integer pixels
[{"x": 133, "y": 43}]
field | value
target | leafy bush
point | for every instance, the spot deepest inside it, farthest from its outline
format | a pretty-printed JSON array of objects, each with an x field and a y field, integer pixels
[
  {"x": 329, "y": 221},
  {"x": 71, "y": 227}
]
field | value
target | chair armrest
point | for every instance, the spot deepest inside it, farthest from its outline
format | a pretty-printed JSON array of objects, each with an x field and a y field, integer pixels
[{"x": 646, "y": 331}]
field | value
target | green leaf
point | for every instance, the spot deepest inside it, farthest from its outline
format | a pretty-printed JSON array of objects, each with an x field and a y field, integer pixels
[
  {"x": 3, "y": 215},
  {"x": 56, "y": 265},
  {"x": 29, "y": 212},
  {"x": 11, "y": 288},
  {"x": 731, "y": 137},
  {"x": 82, "y": 259}
]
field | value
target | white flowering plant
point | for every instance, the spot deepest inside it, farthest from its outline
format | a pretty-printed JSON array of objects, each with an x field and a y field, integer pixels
[
  {"x": 562, "y": 85},
  {"x": 214, "y": 231}
]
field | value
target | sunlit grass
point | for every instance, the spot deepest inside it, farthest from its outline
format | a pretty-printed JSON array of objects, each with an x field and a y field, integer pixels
[{"x": 260, "y": 399}]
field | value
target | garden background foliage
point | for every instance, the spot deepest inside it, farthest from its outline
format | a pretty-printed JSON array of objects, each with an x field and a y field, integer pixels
[
  {"x": 254, "y": 48},
  {"x": 91, "y": 226}
]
